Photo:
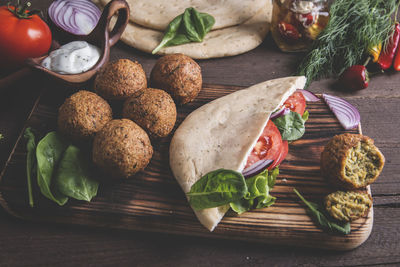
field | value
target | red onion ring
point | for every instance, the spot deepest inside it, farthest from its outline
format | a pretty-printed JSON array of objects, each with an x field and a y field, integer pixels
[
  {"x": 257, "y": 167},
  {"x": 281, "y": 112},
  {"x": 310, "y": 97},
  {"x": 347, "y": 114},
  {"x": 66, "y": 14}
]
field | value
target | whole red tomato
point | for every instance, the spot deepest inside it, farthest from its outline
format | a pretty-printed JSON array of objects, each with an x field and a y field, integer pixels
[{"x": 21, "y": 36}]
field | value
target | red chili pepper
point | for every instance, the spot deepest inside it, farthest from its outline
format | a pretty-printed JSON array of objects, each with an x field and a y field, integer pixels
[
  {"x": 355, "y": 77},
  {"x": 396, "y": 63},
  {"x": 288, "y": 31},
  {"x": 387, "y": 55}
]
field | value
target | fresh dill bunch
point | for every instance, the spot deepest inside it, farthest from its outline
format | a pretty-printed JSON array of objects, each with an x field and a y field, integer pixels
[{"x": 352, "y": 28}]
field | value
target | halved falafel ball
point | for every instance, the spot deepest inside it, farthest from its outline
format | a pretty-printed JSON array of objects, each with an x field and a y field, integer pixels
[
  {"x": 351, "y": 161},
  {"x": 122, "y": 148},
  {"x": 154, "y": 110},
  {"x": 82, "y": 115},
  {"x": 120, "y": 79},
  {"x": 179, "y": 75},
  {"x": 348, "y": 206}
]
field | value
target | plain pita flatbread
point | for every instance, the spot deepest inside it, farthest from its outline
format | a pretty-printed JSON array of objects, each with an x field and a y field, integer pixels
[
  {"x": 156, "y": 14},
  {"x": 222, "y": 133},
  {"x": 219, "y": 43}
]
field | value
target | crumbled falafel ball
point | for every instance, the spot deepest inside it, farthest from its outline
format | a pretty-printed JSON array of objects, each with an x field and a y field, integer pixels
[
  {"x": 122, "y": 148},
  {"x": 82, "y": 115},
  {"x": 348, "y": 206},
  {"x": 120, "y": 79},
  {"x": 154, "y": 110},
  {"x": 179, "y": 75},
  {"x": 351, "y": 161}
]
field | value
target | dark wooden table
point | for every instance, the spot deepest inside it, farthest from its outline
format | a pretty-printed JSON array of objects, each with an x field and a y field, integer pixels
[{"x": 26, "y": 243}]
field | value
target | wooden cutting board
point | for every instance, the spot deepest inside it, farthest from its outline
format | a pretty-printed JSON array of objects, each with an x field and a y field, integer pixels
[{"x": 153, "y": 200}]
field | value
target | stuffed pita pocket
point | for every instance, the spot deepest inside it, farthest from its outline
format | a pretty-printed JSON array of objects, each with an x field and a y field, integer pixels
[{"x": 222, "y": 134}]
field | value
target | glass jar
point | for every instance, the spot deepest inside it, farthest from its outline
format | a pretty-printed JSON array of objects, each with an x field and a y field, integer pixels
[{"x": 297, "y": 23}]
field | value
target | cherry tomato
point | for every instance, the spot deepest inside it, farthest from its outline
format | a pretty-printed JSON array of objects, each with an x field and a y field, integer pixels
[
  {"x": 296, "y": 103},
  {"x": 21, "y": 38},
  {"x": 268, "y": 146},
  {"x": 282, "y": 155}
]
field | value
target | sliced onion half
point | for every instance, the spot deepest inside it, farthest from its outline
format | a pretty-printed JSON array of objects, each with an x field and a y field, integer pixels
[
  {"x": 310, "y": 97},
  {"x": 346, "y": 113},
  {"x": 279, "y": 113},
  {"x": 257, "y": 167},
  {"x": 78, "y": 17}
]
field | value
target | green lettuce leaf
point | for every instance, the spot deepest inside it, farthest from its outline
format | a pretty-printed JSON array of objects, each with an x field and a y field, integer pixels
[{"x": 257, "y": 196}]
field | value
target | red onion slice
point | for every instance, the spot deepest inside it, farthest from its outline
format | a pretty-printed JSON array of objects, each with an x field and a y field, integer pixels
[
  {"x": 257, "y": 167},
  {"x": 347, "y": 114},
  {"x": 281, "y": 112},
  {"x": 310, "y": 97},
  {"x": 78, "y": 17}
]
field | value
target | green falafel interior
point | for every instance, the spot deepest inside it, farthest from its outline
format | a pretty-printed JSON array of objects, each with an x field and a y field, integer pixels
[{"x": 348, "y": 206}]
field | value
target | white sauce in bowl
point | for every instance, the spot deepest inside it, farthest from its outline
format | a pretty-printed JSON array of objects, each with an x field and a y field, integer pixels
[{"x": 72, "y": 58}]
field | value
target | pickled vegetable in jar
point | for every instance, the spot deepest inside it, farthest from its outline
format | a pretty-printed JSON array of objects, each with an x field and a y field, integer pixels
[{"x": 297, "y": 23}]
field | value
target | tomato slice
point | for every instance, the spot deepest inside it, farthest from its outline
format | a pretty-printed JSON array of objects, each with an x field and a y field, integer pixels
[
  {"x": 268, "y": 146},
  {"x": 282, "y": 155},
  {"x": 296, "y": 102}
]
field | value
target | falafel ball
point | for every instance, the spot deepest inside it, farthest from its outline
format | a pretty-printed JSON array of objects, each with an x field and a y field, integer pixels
[
  {"x": 153, "y": 109},
  {"x": 351, "y": 161},
  {"x": 179, "y": 75},
  {"x": 122, "y": 148},
  {"x": 120, "y": 79},
  {"x": 348, "y": 206},
  {"x": 82, "y": 115}
]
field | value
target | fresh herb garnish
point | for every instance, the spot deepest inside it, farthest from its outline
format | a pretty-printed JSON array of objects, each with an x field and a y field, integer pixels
[
  {"x": 30, "y": 161},
  {"x": 191, "y": 26},
  {"x": 316, "y": 212},
  {"x": 48, "y": 153},
  {"x": 223, "y": 187},
  {"x": 62, "y": 169},
  {"x": 291, "y": 125},
  {"x": 73, "y": 175},
  {"x": 258, "y": 195},
  {"x": 217, "y": 188},
  {"x": 353, "y": 27}
]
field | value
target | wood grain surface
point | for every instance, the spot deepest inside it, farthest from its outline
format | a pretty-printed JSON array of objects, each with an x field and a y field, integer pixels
[
  {"x": 153, "y": 201},
  {"x": 27, "y": 243}
]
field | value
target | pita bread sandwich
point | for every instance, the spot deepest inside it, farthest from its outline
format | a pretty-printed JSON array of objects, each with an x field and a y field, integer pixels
[{"x": 221, "y": 137}]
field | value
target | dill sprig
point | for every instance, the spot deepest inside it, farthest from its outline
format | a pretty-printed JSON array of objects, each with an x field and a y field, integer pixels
[{"x": 352, "y": 28}]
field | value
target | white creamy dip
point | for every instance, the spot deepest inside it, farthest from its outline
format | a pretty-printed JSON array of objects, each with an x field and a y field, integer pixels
[
  {"x": 303, "y": 7},
  {"x": 72, "y": 58}
]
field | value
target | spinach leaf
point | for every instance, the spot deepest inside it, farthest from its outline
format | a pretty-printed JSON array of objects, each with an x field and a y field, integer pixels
[
  {"x": 72, "y": 177},
  {"x": 316, "y": 212},
  {"x": 191, "y": 26},
  {"x": 30, "y": 161},
  {"x": 48, "y": 153},
  {"x": 217, "y": 188},
  {"x": 257, "y": 196},
  {"x": 291, "y": 126}
]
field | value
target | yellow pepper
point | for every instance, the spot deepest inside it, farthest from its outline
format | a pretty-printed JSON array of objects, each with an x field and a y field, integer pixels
[{"x": 375, "y": 51}]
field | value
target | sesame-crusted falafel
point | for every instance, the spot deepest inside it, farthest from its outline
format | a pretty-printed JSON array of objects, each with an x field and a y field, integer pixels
[
  {"x": 120, "y": 79},
  {"x": 82, "y": 115},
  {"x": 351, "y": 161},
  {"x": 179, "y": 75},
  {"x": 122, "y": 148},
  {"x": 153, "y": 110}
]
